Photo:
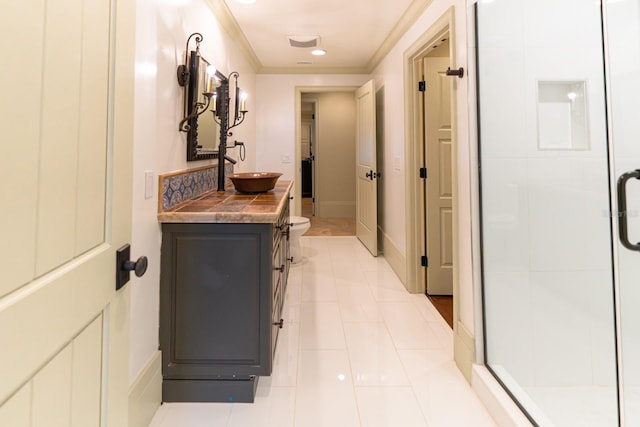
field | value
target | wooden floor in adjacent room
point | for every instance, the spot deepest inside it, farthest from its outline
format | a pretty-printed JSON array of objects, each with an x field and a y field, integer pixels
[{"x": 444, "y": 305}]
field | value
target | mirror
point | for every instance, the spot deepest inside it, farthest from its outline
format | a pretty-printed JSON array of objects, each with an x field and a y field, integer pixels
[
  {"x": 203, "y": 135},
  {"x": 206, "y": 108}
]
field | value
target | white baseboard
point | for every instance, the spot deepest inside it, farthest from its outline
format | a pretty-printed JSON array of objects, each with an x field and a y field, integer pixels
[
  {"x": 499, "y": 404},
  {"x": 463, "y": 350},
  {"x": 145, "y": 394},
  {"x": 394, "y": 257}
]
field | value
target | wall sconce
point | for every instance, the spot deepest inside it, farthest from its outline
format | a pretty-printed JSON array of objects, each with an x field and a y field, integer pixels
[
  {"x": 187, "y": 75},
  {"x": 221, "y": 114},
  {"x": 240, "y": 103},
  {"x": 183, "y": 70},
  {"x": 205, "y": 86}
]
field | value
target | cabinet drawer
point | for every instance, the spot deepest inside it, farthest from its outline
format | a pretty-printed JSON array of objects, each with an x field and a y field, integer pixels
[
  {"x": 276, "y": 319},
  {"x": 282, "y": 224},
  {"x": 276, "y": 271}
]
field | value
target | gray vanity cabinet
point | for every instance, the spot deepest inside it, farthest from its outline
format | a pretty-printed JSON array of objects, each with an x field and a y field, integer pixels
[{"x": 222, "y": 289}]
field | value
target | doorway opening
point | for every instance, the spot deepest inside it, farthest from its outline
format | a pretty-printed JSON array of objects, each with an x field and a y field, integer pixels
[
  {"x": 432, "y": 170},
  {"x": 324, "y": 188},
  {"x": 307, "y": 149}
]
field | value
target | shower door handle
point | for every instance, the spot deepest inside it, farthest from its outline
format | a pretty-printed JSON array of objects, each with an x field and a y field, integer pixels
[{"x": 622, "y": 209}]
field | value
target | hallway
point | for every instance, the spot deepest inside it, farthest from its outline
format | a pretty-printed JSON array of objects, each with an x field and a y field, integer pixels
[
  {"x": 327, "y": 226},
  {"x": 356, "y": 350}
]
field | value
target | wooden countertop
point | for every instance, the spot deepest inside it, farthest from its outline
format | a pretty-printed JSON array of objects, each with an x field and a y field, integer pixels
[{"x": 231, "y": 207}]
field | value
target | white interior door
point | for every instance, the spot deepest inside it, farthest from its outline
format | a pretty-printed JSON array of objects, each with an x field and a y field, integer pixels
[
  {"x": 65, "y": 163},
  {"x": 366, "y": 168},
  {"x": 438, "y": 185}
]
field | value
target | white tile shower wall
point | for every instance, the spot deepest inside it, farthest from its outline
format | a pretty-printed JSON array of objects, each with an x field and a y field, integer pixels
[
  {"x": 506, "y": 214},
  {"x": 563, "y": 206},
  {"x": 546, "y": 231},
  {"x": 509, "y": 297},
  {"x": 562, "y": 320},
  {"x": 501, "y": 70}
]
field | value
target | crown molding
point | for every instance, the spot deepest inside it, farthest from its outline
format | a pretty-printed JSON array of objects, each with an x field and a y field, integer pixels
[
  {"x": 304, "y": 69},
  {"x": 408, "y": 18},
  {"x": 230, "y": 25}
]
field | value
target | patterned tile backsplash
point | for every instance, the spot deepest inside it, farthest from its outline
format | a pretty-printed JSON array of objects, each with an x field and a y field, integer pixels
[{"x": 178, "y": 187}]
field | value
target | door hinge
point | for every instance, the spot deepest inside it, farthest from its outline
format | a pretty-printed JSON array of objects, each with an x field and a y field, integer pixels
[
  {"x": 422, "y": 86},
  {"x": 423, "y": 173},
  {"x": 424, "y": 261}
]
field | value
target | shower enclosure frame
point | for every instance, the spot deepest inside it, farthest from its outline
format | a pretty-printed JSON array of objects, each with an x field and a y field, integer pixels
[{"x": 617, "y": 222}]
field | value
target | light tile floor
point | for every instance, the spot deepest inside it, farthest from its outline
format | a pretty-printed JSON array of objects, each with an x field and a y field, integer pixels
[{"x": 356, "y": 350}]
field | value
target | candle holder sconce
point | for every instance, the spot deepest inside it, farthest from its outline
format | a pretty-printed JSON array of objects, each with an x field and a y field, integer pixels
[
  {"x": 223, "y": 99},
  {"x": 187, "y": 74},
  {"x": 206, "y": 88}
]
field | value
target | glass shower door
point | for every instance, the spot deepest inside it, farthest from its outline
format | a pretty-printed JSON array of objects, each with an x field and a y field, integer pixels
[
  {"x": 546, "y": 198},
  {"x": 623, "y": 57}
]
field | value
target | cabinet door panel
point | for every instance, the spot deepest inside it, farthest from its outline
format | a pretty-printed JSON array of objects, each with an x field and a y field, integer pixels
[
  {"x": 216, "y": 300},
  {"x": 217, "y": 307}
]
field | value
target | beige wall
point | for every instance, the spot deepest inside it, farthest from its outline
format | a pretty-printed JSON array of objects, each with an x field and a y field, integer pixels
[{"x": 335, "y": 155}]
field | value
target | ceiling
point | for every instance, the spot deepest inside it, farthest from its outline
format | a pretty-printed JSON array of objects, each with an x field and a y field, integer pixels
[{"x": 356, "y": 34}]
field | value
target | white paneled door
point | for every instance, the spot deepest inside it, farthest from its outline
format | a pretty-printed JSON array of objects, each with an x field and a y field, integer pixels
[
  {"x": 439, "y": 183},
  {"x": 366, "y": 168},
  {"x": 66, "y": 115}
]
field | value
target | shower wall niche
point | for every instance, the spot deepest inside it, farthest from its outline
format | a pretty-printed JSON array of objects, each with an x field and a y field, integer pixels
[{"x": 562, "y": 116}]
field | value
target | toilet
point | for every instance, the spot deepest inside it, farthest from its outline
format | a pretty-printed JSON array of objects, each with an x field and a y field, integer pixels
[{"x": 299, "y": 226}]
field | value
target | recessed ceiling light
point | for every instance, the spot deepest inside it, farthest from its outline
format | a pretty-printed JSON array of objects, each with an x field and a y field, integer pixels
[{"x": 318, "y": 52}]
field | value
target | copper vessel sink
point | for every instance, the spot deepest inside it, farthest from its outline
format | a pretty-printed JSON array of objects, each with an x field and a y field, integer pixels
[{"x": 254, "y": 182}]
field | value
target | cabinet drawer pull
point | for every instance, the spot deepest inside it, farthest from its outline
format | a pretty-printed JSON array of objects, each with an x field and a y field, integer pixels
[
  {"x": 280, "y": 323},
  {"x": 280, "y": 269}
]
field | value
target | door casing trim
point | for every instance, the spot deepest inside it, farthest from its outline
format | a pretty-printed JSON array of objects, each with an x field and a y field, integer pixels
[{"x": 464, "y": 345}]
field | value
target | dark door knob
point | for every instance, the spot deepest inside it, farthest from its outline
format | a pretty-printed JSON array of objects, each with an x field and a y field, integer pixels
[
  {"x": 372, "y": 175},
  {"x": 139, "y": 267},
  {"x": 124, "y": 266}
]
